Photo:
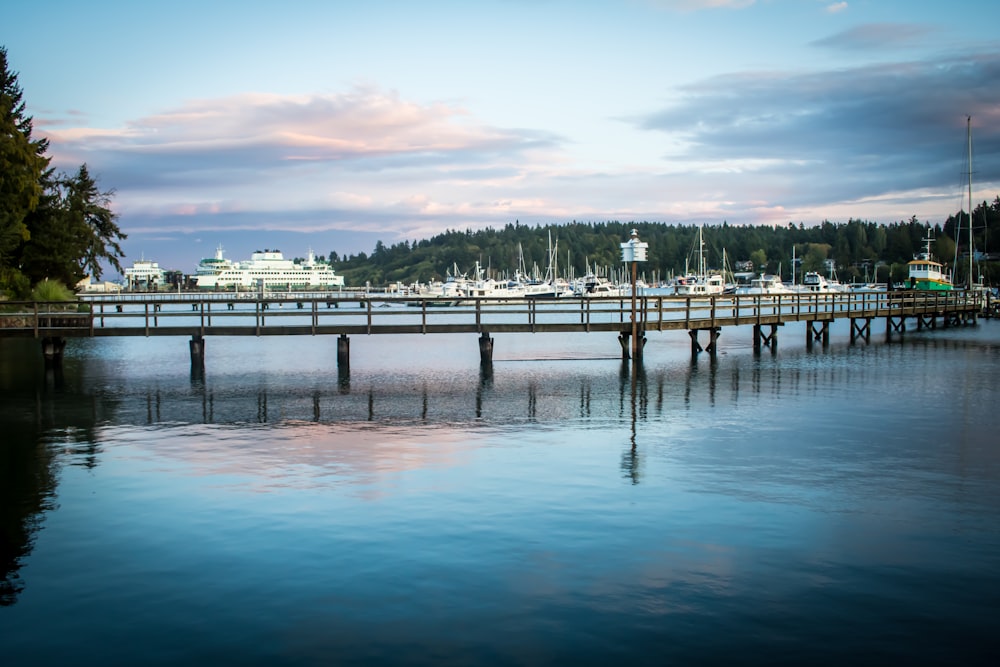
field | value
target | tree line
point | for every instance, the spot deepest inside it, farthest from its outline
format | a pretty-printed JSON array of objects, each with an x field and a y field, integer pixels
[{"x": 53, "y": 226}]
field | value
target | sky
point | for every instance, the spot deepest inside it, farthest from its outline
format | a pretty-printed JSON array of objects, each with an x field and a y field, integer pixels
[{"x": 330, "y": 125}]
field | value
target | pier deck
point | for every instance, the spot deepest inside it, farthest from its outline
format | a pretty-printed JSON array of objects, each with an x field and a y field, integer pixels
[{"x": 202, "y": 315}]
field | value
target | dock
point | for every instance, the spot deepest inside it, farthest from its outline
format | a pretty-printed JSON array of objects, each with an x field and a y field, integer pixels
[{"x": 198, "y": 316}]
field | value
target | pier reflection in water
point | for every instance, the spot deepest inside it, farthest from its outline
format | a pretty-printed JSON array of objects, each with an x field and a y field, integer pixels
[{"x": 558, "y": 506}]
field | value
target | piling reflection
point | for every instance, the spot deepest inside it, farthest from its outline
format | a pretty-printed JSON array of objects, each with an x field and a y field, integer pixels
[
  {"x": 495, "y": 393},
  {"x": 637, "y": 403},
  {"x": 508, "y": 393}
]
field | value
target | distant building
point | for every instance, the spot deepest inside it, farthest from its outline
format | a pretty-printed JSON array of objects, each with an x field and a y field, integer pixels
[{"x": 106, "y": 287}]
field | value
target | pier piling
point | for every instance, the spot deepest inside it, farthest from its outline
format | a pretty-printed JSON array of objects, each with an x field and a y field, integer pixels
[
  {"x": 52, "y": 350},
  {"x": 695, "y": 345},
  {"x": 861, "y": 327},
  {"x": 625, "y": 339},
  {"x": 894, "y": 325},
  {"x": 713, "y": 340},
  {"x": 817, "y": 330},
  {"x": 197, "y": 347},
  {"x": 343, "y": 351},
  {"x": 485, "y": 348},
  {"x": 762, "y": 339}
]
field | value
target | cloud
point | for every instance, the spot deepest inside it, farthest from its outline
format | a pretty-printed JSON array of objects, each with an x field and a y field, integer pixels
[
  {"x": 814, "y": 138},
  {"x": 874, "y": 36},
  {"x": 836, "y": 8},
  {"x": 364, "y": 127},
  {"x": 270, "y": 152}
]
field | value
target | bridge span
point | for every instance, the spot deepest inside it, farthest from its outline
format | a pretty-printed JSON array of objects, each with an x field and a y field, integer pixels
[{"x": 199, "y": 316}]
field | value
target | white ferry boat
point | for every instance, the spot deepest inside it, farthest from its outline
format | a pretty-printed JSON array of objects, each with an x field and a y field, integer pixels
[
  {"x": 267, "y": 269},
  {"x": 144, "y": 274},
  {"x": 213, "y": 266}
]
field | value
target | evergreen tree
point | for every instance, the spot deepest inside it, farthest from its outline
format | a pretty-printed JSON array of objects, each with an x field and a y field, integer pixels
[
  {"x": 89, "y": 215},
  {"x": 73, "y": 231},
  {"x": 23, "y": 165}
]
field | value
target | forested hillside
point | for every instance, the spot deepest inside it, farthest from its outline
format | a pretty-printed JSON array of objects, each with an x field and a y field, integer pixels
[{"x": 856, "y": 247}]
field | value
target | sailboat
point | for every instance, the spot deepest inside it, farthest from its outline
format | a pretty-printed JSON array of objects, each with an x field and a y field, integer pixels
[
  {"x": 704, "y": 282},
  {"x": 970, "y": 278}
]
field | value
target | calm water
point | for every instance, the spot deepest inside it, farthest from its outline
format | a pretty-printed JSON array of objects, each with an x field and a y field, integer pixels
[{"x": 832, "y": 506}]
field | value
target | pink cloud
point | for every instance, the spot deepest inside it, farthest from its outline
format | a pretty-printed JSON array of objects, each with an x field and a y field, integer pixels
[{"x": 361, "y": 123}]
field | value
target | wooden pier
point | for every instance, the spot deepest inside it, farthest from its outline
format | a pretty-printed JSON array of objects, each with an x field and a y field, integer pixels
[{"x": 198, "y": 316}]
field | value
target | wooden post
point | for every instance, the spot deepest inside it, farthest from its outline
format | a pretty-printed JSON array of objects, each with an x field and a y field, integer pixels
[
  {"x": 713, "y": 340},
  {"x": 485, "y": 348},
  {"x": 817, "y": 330},
  {"x": 695, "y": 345},
  {"x": 860, "y": 326},
  {"x": 636, "y": 349},
  {"x": 52, "y": 350},
  {"x": 343, "y": 351},
  {"x": 197, "y": 347},
  {"x": 773, "y": 338}
]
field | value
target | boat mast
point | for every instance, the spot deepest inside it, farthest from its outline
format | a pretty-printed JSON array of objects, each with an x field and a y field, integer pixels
[
  {"x": 701, "y": 254},
  {"x": 793, "y": 265},
  {"x": 968, "y": 121}
]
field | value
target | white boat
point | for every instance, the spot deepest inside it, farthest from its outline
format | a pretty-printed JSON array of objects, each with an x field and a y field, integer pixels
[
  {"x": 213, "y": 266},
  {"x": 703, "y": 282},
  {"x": 700, "y": 285},
  {"x": 482, "y": 287},
  {"x": 144, "y": 274},
  {"x": 816, "y": 283},
  {"x": 449, "y": 288},
  {"x": 765, "y": 284},
  {"x": 550, "y": 287},
  {"x": 593, "y": 285},
  {"x": 268, "y": 270}
]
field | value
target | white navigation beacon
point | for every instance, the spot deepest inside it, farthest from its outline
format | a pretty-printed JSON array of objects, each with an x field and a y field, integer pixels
[{"x": 634, "y": 250}]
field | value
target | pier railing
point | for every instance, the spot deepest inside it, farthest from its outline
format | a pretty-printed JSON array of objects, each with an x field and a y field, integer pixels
[{"x": 359, "y": 314}]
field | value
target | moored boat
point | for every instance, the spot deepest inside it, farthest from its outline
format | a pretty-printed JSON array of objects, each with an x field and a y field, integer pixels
[
  {"x": 765, "y": 284},
  {"x": 814, "y": 282},
  {"x": 704, "y": 282},
  {"x": 596, "y": 286},
  {"x": 925, "y": 273}
]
